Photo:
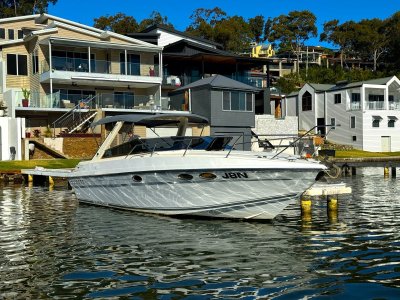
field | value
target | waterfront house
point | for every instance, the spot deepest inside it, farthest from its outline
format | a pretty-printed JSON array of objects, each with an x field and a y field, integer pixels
[
  {"x": 228, "y": 104},
  {"x": 366, "y": 113},
  {"x": 187, "y": 59},
  {"x": 49, "y": 65}
]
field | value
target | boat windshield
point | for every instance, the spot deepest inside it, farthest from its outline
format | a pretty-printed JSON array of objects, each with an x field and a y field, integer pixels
[{"x": 138, "y": 145}]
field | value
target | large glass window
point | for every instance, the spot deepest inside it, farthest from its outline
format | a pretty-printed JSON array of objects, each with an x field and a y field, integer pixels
[
  {"x": 17, "y": 64},
  {"x": 306, "y": 101},
  {"x": 237, "y": 101},
  {"x": 133, "y": 63}
]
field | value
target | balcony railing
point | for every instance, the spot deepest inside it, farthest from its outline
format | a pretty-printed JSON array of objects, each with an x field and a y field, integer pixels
[
  {"x": 180, "y": 80},
  {"x": 354, "y": 106},
  {"x": 99, "y": 66},
  {"x": 394, "y": 105},
  {"x": 69, "y": 101},
  {"x": 374, "y": 105}
]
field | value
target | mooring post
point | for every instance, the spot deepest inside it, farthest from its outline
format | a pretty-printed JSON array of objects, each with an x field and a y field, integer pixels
[
  {"x": 305, "y": 208},
  {"x": 353, "y": 171},
  {"x": 50, "y": 181},
  {"x": 332, "y": 207},
  {"x": 393, "y": 172},
  {"x": 386, "y": 172}
]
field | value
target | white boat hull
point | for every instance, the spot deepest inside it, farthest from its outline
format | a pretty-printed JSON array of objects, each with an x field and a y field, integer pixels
[{"x": 248, "y": 189}]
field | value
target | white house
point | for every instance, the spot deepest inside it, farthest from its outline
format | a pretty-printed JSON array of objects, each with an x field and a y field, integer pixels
[{"x": 366, "y": 113}]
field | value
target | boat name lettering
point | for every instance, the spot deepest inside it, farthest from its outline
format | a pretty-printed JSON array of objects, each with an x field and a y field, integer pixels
[{"x": 235, "y": 175}]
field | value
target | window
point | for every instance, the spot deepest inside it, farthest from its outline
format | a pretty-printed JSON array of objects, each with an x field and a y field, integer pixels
[
  {"x": 306, "y": 102},
  {"x": 352, "y": 122},
  {"x": 333, "y": 123},
  {"x": 354, "y": 138},
  {"x": 17, "y": 64},
  {"x": 237, "y": 101},
  {"x": 378, "y": 98},
  {"x": 355, "y": 97},
  {"x": 133, "y": 63},
  {"x": 20, "y": 34},
  {"x": 226, "y": 100},
  {"x": 10, "y": 34},
  {"x": 375, "y": 122},
  {"x": 391, "y": 121},
  {"x": 35, "y": 62},
  {"x": 338, "y": 98},
  {"x": 22, "y": 64},
  {"x": 12, "y": 64},
  {"x": 2, "y": 33}
]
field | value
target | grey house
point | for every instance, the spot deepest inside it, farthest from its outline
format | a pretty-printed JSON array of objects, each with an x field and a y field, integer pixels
[{"x": 228, "y": 104}]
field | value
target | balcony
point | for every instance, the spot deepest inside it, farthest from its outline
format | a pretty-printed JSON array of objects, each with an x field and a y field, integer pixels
[
  {"x": 175, "y": 81},
  {"x": 96, "y": 72},
  {"x": 101, "y": 100},
  {"x": 374, "y": 105}
]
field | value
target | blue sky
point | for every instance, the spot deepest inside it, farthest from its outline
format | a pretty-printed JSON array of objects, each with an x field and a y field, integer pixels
[{"x": 179, "y": 11}]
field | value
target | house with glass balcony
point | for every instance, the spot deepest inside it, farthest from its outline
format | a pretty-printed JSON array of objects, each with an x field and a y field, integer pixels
[
  {"x": 187, "y": 59},
  {"x": 366, "y": 113},
  {"x": 49, "y": 65}
]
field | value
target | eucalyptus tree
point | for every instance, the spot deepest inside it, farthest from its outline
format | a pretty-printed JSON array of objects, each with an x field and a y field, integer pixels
[
  {"x": 257, "y": 28},
  {"x": 292, "y": 30},
  {"x": 119, "y": 23},
  {"x": 155, "y": 19},
  {"x": 13, "y": 8},
  {"x": 371, "y": 39}
]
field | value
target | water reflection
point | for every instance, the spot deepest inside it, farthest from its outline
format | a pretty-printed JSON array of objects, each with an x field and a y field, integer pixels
[{"x": 51, "y": 247}]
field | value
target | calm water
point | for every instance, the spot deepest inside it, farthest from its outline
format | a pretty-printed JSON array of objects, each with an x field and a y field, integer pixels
[{"x": 53, "y": 248}]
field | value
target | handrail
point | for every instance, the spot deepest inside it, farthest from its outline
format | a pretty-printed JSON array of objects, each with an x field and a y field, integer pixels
[
  {"x": 233, "y": 145},
  {"x": 87, "y": 100},
  {"x": 299, "y": 138}
]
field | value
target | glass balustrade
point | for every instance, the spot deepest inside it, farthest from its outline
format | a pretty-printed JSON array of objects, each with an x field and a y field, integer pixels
[
  {"x": 99, "y": 66},
  {"x": 69, "y": 101}
]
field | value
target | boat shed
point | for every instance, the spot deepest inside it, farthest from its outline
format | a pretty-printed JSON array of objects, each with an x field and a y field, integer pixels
[{"x": 228, "y": 105}]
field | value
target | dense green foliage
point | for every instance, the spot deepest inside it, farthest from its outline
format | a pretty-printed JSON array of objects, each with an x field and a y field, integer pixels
[
  {"x": 13, "y": 8},
  {"x": 123, "y": 24}
]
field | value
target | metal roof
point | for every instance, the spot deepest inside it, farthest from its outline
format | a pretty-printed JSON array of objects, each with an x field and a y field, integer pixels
[{"x": 219, "y": 81}]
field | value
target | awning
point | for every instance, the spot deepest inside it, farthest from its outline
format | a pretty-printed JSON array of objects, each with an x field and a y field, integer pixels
[
  {"x": 377, "y": 117},
  {"x": 392, "y": 118}
]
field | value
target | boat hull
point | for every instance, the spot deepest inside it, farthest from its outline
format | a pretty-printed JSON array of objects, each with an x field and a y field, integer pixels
[{"x": 229, "y": 193}]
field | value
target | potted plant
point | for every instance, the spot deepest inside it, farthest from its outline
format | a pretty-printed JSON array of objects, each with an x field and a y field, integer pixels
[{"x": 25, "y": 93}]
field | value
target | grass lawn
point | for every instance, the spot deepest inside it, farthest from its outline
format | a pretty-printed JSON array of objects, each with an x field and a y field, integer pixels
[
  {"x": 360, "y": 154},
  {"x": 45, "y": 163}
]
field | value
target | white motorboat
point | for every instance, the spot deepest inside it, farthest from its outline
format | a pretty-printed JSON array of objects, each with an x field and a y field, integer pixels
[{"x": 181, "y": 175}]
